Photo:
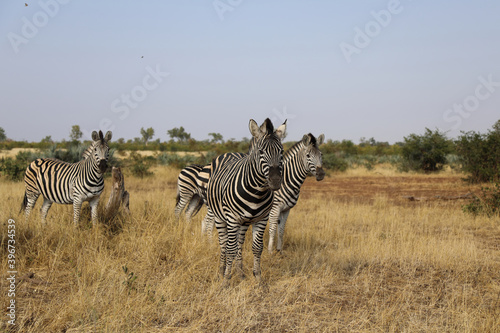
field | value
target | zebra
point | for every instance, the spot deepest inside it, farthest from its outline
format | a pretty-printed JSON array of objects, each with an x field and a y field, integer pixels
[
  {"x": 67, "y": 183},
  {"x": 302, "y": 158},
  {"x": 240, "y": 193}
]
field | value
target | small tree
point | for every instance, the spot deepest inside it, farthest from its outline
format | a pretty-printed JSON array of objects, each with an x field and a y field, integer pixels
[
  {"x": 147, "y": 134},
  {"x": 179, "y": 133},
  {"x": 425, "y": 152},
  {"x": 3, "y": 137},
  {"x": 47, "y": 139},
  {"x": 216, "y": 138},
  {"x": 75, "y": 133},
  {"x": 479, "y": 154}
]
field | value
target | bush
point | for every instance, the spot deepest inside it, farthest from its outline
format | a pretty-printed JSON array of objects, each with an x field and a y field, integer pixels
[
  {"x": 140, "y": 166},
  {"x": 176, "y": 160},
  {"x": 488, "y": 203},
  {"x": 12, "y": 169},
  {"x": 479, "y": 155},
  {"x": 425, "y": 152},
  {"x": 334, "y": 163}
]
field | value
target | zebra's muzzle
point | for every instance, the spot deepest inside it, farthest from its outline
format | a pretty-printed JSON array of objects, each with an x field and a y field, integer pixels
[
  {"x": 320, "y": 174},
  {"x": 274, "y": 179},
  {"x": 103, "y": 165}
]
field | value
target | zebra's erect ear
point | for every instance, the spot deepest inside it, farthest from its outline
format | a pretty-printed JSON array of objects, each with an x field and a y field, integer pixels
[
  {"x": 95, "y": 136},
  {"x": 280, "y": 131},
  {"x": 101, "y": 136},
  {"x": 254, "y": 129},
  {"x": 108, "y": 136},
  {"x": 306, "y": 139},
  {"x": 320, "y": 139}
]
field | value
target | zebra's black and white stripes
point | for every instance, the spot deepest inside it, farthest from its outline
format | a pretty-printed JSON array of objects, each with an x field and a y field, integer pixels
[
  {"x": 302, "y": 158},
  {"x": 67, "y": 183},
  {"x": 240, "y": 193}
]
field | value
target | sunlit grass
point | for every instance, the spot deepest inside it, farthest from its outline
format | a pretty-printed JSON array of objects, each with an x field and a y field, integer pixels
[{"x": 346, "y": 266}]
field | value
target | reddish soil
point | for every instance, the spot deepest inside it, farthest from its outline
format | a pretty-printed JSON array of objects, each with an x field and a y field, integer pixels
[{"x": 394, "y": 188}]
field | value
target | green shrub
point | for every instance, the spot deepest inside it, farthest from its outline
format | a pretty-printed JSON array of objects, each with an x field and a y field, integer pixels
[
  {"x": 487, "y": 203},
  {"x": 12, "y": 169},
  {"x": 334, "y": 163},
  {"x": 480, "y": 155},
  {"x": 425, "y": 152},
  {"x": 140, "y": 165}
]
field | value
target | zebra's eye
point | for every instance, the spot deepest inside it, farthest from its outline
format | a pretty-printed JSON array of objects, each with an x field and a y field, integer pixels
[
  {"x": 261, "y": 152},
  {"x": 308, "y": 155}
]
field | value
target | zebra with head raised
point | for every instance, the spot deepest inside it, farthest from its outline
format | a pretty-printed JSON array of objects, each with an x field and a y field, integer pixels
[
  {"x": 302, "y": 158},
  {"x": 240, "y": 193},
  {"x": 68, "y": 183}
]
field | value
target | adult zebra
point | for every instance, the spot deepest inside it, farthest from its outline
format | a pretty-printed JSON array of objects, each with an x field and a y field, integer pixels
[
  {"x": 302, "y": 158},
  {"x": 240, "y": 193},
  {"x": 67, "y": 183}
]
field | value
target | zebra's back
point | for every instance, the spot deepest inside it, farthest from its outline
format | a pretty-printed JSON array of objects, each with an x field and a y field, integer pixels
[{"x": 52, "y": 178}]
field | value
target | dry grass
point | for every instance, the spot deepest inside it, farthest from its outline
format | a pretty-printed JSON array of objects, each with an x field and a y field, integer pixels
[{"x": 375, "y": 265}]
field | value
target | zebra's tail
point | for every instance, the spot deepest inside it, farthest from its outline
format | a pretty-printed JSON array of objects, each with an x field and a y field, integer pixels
[
  {"x": 195, "y": 204},
  {"x": 24, "y": 203},
  {"x": 178, "y": 197}
]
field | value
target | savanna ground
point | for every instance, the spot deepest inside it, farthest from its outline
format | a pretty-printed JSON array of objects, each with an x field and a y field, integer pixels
[{"x": 357, "y": 258}]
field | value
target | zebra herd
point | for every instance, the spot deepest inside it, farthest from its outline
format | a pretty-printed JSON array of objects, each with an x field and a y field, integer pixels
[
  {"x": 238, "y": 189},
  {"x": 249, "y": 189}
]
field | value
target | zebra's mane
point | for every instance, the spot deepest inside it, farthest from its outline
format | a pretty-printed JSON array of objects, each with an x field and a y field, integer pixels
[
  {"x": 88, "y": 152},
  {"x": 296, "y": 146},
  {"x": 313, "y": 140},
  {"x": 269, "y": 126}
]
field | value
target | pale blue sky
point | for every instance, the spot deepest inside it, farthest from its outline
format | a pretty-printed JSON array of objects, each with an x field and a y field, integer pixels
[{"x": 348, "y": 69}]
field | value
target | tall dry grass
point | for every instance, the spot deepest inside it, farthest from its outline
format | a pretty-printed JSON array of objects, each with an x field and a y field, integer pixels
[{"x": 382, "y": 266}]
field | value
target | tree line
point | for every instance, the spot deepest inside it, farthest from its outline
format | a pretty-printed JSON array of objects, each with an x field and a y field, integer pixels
[{"x": 477, "y": 154}]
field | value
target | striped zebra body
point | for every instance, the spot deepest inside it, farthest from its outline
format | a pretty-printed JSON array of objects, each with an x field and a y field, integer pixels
[
  {"x": 240, "y": 193},
  {"x": 188, "y": 191},
  {"x": 302, "y": 158},
  {"x": 192, "y": 185},
  {"x": 68, "y": 183}
]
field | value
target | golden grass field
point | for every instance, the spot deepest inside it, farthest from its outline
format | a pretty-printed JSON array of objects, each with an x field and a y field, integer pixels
[{"x": 357, "y": 258}]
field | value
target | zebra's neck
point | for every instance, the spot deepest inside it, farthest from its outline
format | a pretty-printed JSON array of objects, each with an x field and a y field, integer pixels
[
  {"x": 90, "y": 166},
  {"x": 257, "y": 182},
  {"x": 294, "y": 168}
]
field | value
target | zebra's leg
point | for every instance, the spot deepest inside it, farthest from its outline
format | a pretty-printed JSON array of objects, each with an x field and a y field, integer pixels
[
  {"x": 184, "y": 198},
  {"x": 273, "y": 223},
  {"x": 222, "y": 231},
  {"x": 45, "y": 209},
  {"x": 257, "y": 247},
  {"x": 239, "y": 254},
  {"x": 233, "y": 231},
  {"x": 31, "y": 199},
  {"x": 281, "y": 231},
  {"x": 93, "y": 203},
  {"x": 77, "y": 208}
]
